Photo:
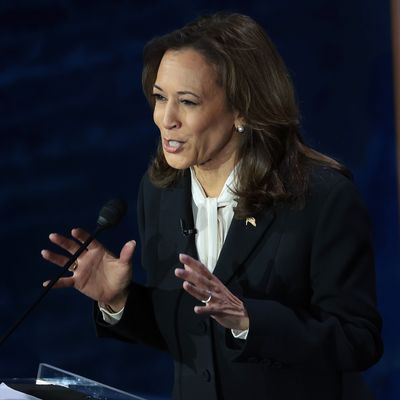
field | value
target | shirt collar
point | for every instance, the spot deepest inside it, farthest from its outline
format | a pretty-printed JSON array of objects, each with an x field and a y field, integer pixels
[{"x": 226, "y": 195}]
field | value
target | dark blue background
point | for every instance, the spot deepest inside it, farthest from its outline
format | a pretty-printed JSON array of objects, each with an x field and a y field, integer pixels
[{"x": 75, "y": 130}]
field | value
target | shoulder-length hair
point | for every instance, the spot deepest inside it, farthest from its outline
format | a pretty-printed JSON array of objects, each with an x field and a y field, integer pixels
[{"x": 274, "y": 162}]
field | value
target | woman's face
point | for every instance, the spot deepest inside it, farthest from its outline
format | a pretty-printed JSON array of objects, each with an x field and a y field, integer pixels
[{"x": 197, "y": 128}]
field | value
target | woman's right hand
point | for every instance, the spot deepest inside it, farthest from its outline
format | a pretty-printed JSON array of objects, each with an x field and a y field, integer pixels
[{"x": 99, "y": 274}]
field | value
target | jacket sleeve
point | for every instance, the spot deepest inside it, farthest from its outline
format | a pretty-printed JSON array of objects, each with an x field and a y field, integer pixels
[
  {"x": 138, "y": 323},
  {"x": 340, "y": 329}
]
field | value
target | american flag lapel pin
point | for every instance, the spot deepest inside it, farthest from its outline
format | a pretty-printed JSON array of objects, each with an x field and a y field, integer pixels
[{"x": 251, "y": 220}]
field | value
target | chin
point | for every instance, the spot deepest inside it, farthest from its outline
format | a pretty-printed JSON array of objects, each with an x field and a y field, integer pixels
[{"x": 177, "y": 162}]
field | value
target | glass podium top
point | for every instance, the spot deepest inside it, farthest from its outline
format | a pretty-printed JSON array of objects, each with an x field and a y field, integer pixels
[
  {"x": 50, "y": 375},
  {"x": 52, "y": 383}
]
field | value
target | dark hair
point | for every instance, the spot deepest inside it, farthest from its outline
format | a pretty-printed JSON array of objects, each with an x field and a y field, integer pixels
[{"x": 275, "y": 162}]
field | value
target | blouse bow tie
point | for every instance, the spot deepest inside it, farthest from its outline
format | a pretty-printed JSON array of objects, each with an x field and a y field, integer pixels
[{"x": 213, "y": 218}]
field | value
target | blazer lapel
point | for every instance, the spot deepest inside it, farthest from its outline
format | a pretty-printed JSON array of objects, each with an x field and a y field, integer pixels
[
  {"x": 177, "y": 215},
  {"x": 242, "y": 238}
]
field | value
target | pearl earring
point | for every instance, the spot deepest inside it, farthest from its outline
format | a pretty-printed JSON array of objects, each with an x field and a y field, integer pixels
[{"x": 240, "y": 128}]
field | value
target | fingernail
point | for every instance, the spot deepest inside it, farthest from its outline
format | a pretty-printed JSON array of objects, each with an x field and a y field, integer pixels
[
  {"x": 45, "y": 283},
  {"x": 182, "y": 256}
]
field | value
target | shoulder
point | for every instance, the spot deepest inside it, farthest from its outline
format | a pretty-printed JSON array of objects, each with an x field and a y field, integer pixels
[
  {"x": 325, "y": 178},
  {"x": 332, "y": 209},
  {"x": 325, "y": 182},
  {"x": 147, "y": 187},
  {"x": 333, "y": 196},
  {"x": 329, "y": 193}
]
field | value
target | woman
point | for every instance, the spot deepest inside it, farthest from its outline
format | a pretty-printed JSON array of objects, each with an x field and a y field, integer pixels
[{"x": 276, "y": 296}]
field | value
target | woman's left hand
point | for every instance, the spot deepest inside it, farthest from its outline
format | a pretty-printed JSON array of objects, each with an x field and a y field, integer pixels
[{"x": 220, "y": 303}]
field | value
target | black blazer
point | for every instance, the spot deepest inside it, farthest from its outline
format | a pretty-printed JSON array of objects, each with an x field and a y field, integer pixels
[{"x": 305, "y": 275}]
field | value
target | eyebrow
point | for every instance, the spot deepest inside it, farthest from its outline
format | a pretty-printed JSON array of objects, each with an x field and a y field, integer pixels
[{"x": 181, "y": 92}]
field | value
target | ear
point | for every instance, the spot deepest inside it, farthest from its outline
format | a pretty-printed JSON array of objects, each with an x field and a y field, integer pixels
[
  {"x": 236, "y": 114},
  {"x": 239, "y": 120}
]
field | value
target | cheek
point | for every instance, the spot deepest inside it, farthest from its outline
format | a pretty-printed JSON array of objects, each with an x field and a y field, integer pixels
[
  {"x": 215, "y": 131},
  {"x": 157, "y": 116}
]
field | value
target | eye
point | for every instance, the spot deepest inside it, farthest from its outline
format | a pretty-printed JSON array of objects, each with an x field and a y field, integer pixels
[
  {"x": 158, "y": 97},
  {"x": 188, "y": 102}
]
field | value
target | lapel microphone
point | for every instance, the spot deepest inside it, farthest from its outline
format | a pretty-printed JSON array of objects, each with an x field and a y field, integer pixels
[
  {"x": 186, "y": 231},
  {"x": 110, "y": 215}
]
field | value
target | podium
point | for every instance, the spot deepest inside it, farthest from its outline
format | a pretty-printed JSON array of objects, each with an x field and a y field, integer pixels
[{"x": 54, "y": 383}]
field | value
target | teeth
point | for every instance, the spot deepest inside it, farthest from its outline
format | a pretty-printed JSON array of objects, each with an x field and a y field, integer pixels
[{"x": 174, "y": 143}]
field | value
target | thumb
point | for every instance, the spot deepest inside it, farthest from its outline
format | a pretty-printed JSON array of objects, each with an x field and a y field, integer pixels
[{"x": 127, "y": 251}]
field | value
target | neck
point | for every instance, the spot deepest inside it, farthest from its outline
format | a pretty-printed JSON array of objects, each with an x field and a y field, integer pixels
[{"x": 212, "y": 180}]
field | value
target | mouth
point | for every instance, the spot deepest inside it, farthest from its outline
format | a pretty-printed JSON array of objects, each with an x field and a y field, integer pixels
[{"x": 172, "y": 146}]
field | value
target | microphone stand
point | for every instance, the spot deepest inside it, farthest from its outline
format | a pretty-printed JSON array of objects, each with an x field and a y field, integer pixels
[{"x": 64, "y": 269}]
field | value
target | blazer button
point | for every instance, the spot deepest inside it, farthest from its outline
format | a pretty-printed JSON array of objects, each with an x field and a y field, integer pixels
[{"x": 206, "y": 375}]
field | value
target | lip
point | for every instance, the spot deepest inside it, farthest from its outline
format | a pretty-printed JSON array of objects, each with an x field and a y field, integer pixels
[{"x": 170, "y": 149}]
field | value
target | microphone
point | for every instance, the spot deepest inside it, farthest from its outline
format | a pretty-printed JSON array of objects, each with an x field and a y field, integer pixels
[
  {"x": 188, "y": 232},
  {"x": 110, "y": 215}
]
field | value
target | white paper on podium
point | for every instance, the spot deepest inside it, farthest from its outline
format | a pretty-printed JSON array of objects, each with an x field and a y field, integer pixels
[{"x": 6, "y": 393}]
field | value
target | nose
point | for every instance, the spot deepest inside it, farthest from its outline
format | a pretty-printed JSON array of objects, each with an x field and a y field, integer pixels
[{"x": 171, "y": 116}]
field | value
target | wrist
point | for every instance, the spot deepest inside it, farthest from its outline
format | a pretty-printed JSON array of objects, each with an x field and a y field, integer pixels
[
  {"x": 244, "y": 321},
  {"x": 117, "y": 303},
  {"x": 244, "y": 324}
]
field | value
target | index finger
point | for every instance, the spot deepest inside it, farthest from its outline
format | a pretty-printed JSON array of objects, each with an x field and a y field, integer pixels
[
  {"x": 196, "y": 265},
  {"x": 81, "y": 235}
]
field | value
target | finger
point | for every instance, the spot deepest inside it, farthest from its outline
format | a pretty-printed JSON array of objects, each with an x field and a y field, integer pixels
[
  {"x": 127, "y": 251},
  {"x": 197, "y": 279},
  {"x": 67, "y": 244},
  {"x": 54, "y": 258},
  {"x": 81, "y": 235},
  {"x": 222, "y": 309},
  {"x": 207, "y": 310},
  {"x": 195, "y": 265},
  {"x": 62, "y": 283},
  {"x": 215, "y": 311},
  {"x": 198, "y": 293}
]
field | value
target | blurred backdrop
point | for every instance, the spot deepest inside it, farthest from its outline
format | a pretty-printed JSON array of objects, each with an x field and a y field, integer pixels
[{"x": 75, "y": 131}]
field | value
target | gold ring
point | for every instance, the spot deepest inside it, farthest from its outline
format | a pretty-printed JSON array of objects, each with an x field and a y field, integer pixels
[
  {"x": 74, "y": 266},
  {"x": 209, "y": 297}
]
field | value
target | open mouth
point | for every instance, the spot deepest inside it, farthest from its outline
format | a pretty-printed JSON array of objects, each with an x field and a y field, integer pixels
[
  {"x": 172, "y": 146},
  {"x": 174, "y": 143}
]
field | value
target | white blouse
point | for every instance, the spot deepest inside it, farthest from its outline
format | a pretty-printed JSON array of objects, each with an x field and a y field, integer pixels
[{"x": 212, "y": 219}]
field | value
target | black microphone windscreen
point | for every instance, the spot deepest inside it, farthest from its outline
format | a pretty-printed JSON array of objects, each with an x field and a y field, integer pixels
[{"x": 112, "y": 213}]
